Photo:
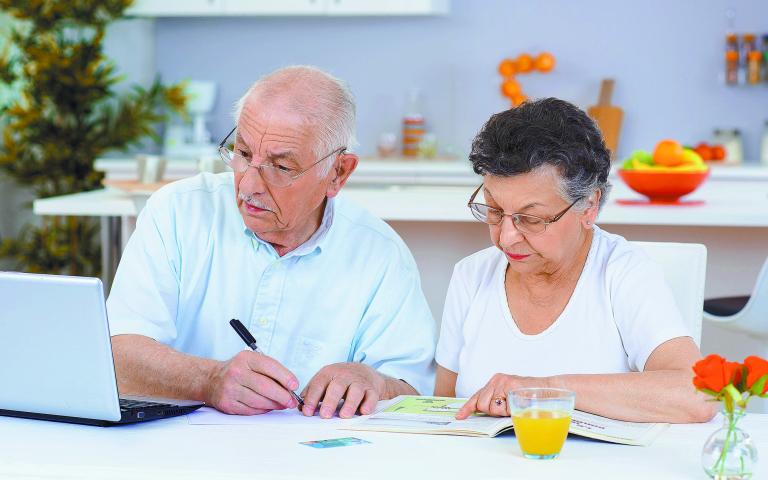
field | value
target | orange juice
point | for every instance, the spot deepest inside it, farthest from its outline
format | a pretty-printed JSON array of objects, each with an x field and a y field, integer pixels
[{"x": 541, "y": 433}]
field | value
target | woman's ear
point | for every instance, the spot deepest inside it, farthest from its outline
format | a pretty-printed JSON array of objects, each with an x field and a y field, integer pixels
[{"x": 590, "y": 214}]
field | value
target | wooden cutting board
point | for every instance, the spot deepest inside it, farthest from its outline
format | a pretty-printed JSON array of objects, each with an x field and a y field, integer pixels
[
  {"x": 135, "y": 187},
  {"x": 607, "y": 116}
]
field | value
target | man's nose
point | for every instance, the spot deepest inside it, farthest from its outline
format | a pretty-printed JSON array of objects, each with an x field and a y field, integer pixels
[
  {"x": 509, "y": 234},
  {"x": 252, "y": 181}
]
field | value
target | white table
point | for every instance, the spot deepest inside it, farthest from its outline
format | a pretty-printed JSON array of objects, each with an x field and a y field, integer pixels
[{"x": 172, "y": 448}]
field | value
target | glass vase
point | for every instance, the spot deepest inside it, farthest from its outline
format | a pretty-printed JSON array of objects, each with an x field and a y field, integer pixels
[{"x": 729, "y": 453}]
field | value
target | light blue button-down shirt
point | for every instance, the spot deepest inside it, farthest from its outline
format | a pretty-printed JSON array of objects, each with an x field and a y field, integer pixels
[{"x": 351, "y": 293}]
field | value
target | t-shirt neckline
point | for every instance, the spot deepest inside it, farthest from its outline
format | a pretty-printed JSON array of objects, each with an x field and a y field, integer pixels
[{"x": 502, "y": 295}]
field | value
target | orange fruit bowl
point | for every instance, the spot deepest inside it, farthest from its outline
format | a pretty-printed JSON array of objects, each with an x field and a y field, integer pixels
[{"x": 663, "y": 187}]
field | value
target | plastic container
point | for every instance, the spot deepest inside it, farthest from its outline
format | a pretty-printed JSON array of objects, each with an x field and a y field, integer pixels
[
  {"x": 414, "y": 126},
  {"x": 765, "y": 58},
  {"x": 764, "y": 145},
  {"x": 731, "y": 59},
  {"x": 746, "y": 47}
]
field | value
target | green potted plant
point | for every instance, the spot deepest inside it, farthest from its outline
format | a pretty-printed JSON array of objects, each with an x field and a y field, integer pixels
[{"x": 67, "y": 115}]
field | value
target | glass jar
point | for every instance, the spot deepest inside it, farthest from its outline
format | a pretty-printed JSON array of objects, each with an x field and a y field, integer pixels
[
  {"x": 764, "y": 145},
  {"x": 728, "y": 453}
]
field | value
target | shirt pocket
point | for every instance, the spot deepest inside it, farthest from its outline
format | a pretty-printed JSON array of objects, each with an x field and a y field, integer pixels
[{"x": 311, "y": 354}]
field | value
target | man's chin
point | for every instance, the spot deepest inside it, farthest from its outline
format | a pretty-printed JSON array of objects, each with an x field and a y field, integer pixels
[{"x": 259, "y": 222}]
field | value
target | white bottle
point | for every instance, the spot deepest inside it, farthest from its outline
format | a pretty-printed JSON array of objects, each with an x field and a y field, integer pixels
[{"x": 764, "y": 146}]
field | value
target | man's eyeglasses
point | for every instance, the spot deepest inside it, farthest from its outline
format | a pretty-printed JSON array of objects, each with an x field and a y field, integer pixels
[
  {"x": 528, "y": 224},
  {"x": 275, "y": 175}
]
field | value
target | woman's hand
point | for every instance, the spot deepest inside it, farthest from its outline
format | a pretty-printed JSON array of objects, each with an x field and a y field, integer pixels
[{"x": 492, "y": 398}]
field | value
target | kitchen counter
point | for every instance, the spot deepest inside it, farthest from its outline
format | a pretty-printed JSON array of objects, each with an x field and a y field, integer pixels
[
  {"x": 726, "y": 204},
  {"x": 375, "y": 171}
]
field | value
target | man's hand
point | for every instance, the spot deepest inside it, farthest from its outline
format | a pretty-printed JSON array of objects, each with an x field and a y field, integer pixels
[
  {"x": 250, "y": 383},
  {"x": 359, "y": 385},
  {"x": 492, "y": 398}
]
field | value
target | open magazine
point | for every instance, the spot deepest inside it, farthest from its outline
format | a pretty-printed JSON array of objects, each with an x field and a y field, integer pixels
[{"x": 435, "y": 415}]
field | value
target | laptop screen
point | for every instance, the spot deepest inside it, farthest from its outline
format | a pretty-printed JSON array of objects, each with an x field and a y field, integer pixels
[{"x": 55, "y": 349}]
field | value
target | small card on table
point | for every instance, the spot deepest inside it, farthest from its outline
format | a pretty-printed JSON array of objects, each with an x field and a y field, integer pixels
[{"x": 335, "y": 442}]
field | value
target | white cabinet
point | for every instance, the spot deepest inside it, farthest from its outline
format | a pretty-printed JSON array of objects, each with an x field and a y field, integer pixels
[
  {"x": 273, "y": 7},
  {"x": 214, "y": 8},
  {"x": 387, "y": 7},
  {"x": 170, "y": 8}
]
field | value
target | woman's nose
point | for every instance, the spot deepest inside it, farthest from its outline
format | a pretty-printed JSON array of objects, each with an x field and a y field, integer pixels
[{"x": 509, "y": 234}]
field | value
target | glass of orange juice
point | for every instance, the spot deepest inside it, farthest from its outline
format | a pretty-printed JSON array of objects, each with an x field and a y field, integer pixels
[{"x": 541, "y": 417}]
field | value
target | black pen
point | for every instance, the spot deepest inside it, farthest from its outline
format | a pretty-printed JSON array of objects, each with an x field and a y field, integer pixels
[{"x": 251, "y": 342}]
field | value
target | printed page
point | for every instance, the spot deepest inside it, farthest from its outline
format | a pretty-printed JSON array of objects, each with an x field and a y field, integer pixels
[
  {"x": 616, "y": 431},
  {"x": 433, "y": 415}
]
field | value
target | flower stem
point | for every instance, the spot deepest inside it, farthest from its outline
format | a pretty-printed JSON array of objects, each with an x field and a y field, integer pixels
[{"x": 720, "y": 464}]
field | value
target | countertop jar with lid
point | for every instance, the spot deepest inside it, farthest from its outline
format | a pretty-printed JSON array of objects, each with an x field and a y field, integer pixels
[{"x": 732, "y": 141}]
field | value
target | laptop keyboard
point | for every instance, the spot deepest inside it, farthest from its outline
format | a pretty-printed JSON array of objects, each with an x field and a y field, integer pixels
[{"x": 126, "y": 404}]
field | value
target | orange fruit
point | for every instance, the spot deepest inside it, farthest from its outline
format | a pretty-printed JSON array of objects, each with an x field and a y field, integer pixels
[
  {"x": 545, "y": 62},
  {"x": 524, "y": 63},
  {"x": 510, "y": 88},
  {"x": 507, "y": 68},
  {"x": 718, "y": 152},
  {"x": 519, "y": 98},
  {"x": 668, "y": 153},
  {"x": 704, "y": 151}
]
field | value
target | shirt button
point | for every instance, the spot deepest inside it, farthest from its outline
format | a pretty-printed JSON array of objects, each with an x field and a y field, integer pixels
[{"x": 263, "y": 321}]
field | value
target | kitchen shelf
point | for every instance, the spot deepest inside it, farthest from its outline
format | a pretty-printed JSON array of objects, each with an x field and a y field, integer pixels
[{"x": 219, "y": 8}]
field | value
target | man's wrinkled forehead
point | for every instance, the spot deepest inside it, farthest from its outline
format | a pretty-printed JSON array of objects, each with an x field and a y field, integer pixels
[{"x": 270, "y": 124}]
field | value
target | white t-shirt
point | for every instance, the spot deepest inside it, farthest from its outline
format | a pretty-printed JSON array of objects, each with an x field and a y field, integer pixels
[{"x": 620, "y": 311}]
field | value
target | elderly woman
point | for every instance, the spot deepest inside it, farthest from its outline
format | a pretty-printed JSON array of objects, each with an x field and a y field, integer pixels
[{"x": 558, "y": 302}]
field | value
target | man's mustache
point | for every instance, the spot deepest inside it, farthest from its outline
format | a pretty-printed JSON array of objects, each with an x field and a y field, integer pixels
[{"x": 253, "y": 201}]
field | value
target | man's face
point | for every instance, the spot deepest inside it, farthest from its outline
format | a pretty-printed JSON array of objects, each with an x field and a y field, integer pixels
[{"x": 270, "y": 133}]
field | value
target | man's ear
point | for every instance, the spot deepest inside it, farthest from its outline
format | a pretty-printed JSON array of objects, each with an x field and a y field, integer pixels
[{"x": 343, "y": 168}]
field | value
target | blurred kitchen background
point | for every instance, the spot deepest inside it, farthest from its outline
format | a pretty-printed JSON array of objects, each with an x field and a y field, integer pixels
[
  {"x": 438, "y": 60},
  {"x": 666, "y": 57}
]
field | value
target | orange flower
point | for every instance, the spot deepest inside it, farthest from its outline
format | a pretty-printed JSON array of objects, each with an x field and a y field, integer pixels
[
  {"x": 714, "y": 373},
  {"x": 756, "y": 368}
]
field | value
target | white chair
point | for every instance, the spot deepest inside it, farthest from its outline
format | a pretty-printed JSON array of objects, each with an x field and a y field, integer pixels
[
  {"x": 684, "y": 266},
  {"x": 743, "y": 314}
]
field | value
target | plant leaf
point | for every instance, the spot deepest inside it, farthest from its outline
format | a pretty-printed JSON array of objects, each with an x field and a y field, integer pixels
[
  {"x": 759, "y": 385},
  {"x": 733, "y": 394}
]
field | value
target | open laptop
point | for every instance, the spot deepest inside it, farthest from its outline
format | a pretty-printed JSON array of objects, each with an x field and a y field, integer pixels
[{"x": 56, "y": 355}]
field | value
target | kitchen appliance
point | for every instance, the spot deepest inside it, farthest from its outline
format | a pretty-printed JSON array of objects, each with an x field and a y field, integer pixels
[{"x": 185, "y": 140}]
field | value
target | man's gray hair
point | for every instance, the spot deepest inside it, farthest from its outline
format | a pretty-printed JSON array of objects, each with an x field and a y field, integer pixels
[{"x": 323, "y": 100}]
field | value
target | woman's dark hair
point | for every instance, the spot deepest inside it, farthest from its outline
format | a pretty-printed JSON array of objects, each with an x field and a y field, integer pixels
[{"x": 544, "y": 132}]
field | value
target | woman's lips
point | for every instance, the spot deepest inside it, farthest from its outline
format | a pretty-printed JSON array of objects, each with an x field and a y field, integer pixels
[{"x": 515, "y": 257}]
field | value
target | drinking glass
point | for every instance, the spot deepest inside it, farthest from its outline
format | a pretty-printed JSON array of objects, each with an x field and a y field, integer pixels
[{"x": 541, "y": 417}]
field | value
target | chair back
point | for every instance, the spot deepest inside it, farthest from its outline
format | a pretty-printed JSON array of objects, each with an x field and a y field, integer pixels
[
  {"x": 756, "y": 309},
  {"x": 685, "y": 267},
  {"x": 753, "y": 318}
]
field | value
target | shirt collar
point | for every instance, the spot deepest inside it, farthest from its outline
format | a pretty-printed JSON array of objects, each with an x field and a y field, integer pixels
[{"x": 315, "y": 242}]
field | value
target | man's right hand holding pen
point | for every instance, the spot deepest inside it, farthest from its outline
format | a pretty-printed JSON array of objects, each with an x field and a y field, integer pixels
[{"x": 251, "y": 383}]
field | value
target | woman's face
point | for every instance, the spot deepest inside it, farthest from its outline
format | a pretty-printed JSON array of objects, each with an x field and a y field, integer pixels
[{"x": 536, "y": 193}]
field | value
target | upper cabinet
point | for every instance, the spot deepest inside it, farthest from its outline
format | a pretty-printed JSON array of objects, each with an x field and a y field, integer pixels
[
  {"x": 273, "y": 7},
  {"x": 170, "y": 8},
  {"x": 214, "y": 8},
  {"x": 386, "y": 7}
]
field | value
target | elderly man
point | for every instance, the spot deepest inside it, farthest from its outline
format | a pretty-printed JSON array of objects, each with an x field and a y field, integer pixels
[{"x": 331, "y": 293}]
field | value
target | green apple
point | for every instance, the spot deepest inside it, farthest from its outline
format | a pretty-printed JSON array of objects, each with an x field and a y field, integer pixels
[
  {"x": 642, "y": 156},
  {"x": 691, "y": 158}
]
